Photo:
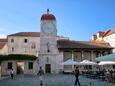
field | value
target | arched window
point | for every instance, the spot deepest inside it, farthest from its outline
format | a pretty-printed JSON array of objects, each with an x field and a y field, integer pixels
[{"x": 12, "y": 40}]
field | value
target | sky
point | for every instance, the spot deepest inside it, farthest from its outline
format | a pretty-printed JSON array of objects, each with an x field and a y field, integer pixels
[{"x": 76, "y": 19}]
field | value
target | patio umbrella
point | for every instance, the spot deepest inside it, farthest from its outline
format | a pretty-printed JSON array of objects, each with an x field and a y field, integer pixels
[
  {"x": 87, "y": 62},
  {"x": 106, "y": 63},
  {"x": 70, "y": 62},
  {"x": 69, "y": 65},
  {"x": 110, "y": 57}
]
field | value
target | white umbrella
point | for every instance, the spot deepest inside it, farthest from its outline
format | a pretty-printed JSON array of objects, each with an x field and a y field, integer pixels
[
  {"x": 87, "y": 62},
  {"x": 106, "y": 63},
  {"x": 70, "y": 62}
]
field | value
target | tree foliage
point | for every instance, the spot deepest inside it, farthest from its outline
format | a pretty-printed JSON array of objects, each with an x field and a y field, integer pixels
[{"x": 17, "y": 57}]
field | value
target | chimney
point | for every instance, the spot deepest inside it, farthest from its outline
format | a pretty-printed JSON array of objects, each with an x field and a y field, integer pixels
[
  {"x": 100, "y": 34},
  {"x": 94, "y": 37}
]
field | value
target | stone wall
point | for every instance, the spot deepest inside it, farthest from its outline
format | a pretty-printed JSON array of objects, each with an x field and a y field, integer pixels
[
  {"x": 6, "y": 71},
  {"x": 4, "y": 67},
  {"x": 23, "y": 48}
]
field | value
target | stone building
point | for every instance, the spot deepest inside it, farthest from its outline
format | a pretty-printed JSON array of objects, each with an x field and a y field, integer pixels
[
  {"x": 105, "y": 37},
  {"x": 3, "y": 46},
  {"x": 51, "y": 49},
  {"x": 3, "y": 49},
  {"x": 24, "y": 43}
]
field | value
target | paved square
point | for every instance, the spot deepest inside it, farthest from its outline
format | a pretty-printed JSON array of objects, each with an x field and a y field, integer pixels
[{"x": 51, "y": 80}]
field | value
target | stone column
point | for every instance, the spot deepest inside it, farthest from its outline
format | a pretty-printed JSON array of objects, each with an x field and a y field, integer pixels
[
  {"x": 72, "y": 55},
  {"x": 101, "y": 53},
  {"x": 72, "y": 59},
  {"x": 61, "y": 61},
  {"x": 92, "y": 57},
  {"x": 82, "y": 55}
]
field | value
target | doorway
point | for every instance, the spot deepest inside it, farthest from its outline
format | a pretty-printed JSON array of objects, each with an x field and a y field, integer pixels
[
  {"x": 20, "y": 67},
  {"x": 48, "y": 68}
]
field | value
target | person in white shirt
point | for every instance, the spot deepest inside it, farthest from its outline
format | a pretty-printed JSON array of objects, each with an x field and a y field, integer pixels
[{"x": 12, "y": 74}]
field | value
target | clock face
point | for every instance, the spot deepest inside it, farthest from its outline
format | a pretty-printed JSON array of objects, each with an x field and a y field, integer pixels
[{"x": 48, "y": 28}]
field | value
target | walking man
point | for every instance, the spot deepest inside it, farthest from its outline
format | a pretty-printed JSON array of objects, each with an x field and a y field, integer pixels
[
  {"x": 77, "y": 76},
  {"x": 41, "y": 73}
]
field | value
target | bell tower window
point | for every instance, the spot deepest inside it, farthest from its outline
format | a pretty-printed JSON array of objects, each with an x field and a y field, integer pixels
[{"x": 25, "y": 40}]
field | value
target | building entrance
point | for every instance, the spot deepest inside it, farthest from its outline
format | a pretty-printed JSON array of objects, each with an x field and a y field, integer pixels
[
  {"x": 20, "y": 67},
  {"x": 48, "y": 68}
]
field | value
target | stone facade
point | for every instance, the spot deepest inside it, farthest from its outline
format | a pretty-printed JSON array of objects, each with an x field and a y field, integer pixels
[
  {"x": 49, "y": 55},
  {"x": 51, "y": 49},
  {"x": 8, "y": 65},
  {"x": 5, "y": 70},
  {"x": 23, "y": 45}
]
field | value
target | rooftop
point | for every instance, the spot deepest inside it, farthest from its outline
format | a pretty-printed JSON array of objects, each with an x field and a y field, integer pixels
[
  {"x": 79, "y": 44},
  {"x": 48, "y": 16},
  {"x": 108, "y": 32},
  {"x": 26, "y": 34},
  {"x": 2, "y": 42}
]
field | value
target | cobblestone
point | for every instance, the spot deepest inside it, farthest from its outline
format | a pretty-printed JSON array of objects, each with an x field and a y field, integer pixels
[{"x": 51, "y": 80}]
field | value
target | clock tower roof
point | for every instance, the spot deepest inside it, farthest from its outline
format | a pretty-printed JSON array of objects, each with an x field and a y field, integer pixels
[{"x": 48, "y": 16}]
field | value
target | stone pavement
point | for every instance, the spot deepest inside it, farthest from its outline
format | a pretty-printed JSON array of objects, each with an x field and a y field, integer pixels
[
  {"x": 4, "y": 77},
  {"x": 51, "y": 80}
]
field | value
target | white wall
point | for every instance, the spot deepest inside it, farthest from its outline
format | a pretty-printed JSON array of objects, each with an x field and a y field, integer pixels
[{"x": 111, "y": 40}]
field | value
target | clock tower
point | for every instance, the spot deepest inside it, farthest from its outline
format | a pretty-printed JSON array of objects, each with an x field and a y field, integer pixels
[{"x": 48, "y": 53}]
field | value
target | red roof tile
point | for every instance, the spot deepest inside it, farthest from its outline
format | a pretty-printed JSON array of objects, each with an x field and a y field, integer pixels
[
  {"x": 101, "y": 42},
  {"x": 3, "y": 40},
  {"x": 80, "y": 44},
  {"x": 48, "y": 17},
  {"x": 109, "y": 32},
  {"x": 2, "y": 44}
]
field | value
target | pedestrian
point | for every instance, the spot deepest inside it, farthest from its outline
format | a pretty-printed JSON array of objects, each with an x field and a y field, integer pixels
[
  {"x": 12, "y": 73},
  {"x": 76, "y": 72},
  {"x": 41, "y": 73},
  {"x": 108, "y": 76}
]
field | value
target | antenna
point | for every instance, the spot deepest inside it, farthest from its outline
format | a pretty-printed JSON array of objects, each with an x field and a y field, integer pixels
[{"x": 48, "y": 11}]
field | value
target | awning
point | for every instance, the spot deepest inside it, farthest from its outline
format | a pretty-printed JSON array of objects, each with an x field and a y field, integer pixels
[{"x": 110, "y": 57}]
